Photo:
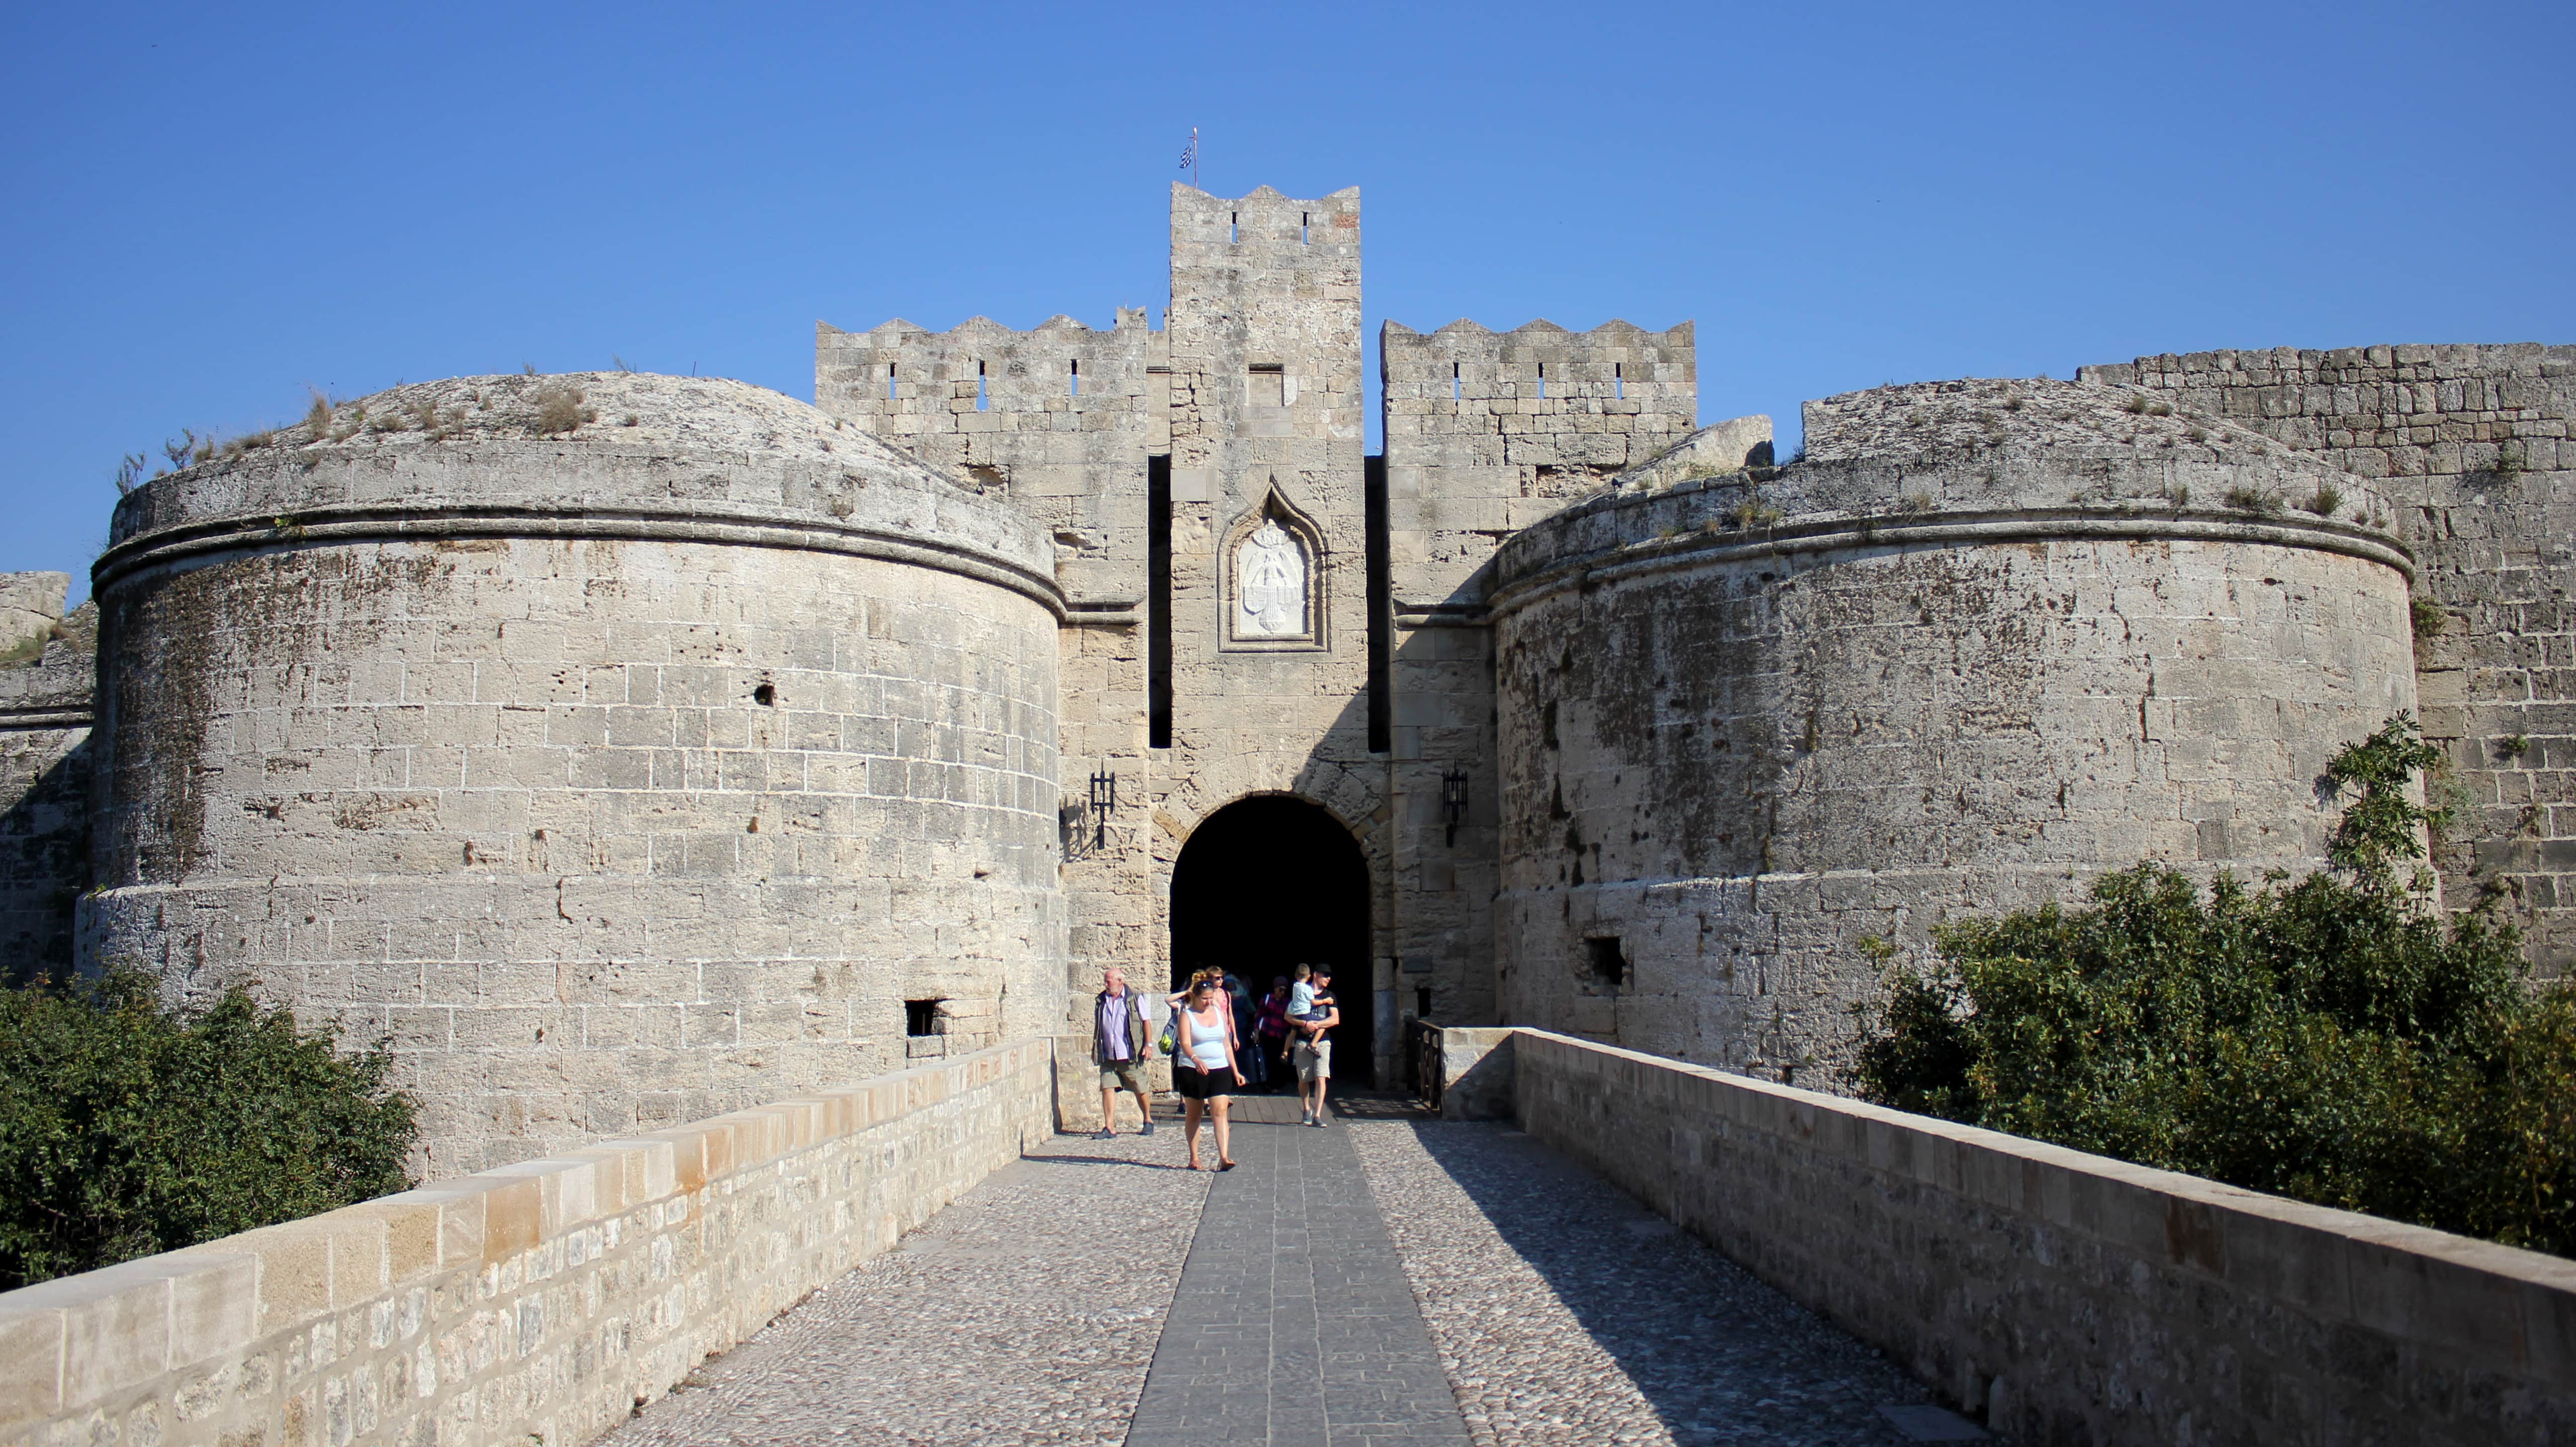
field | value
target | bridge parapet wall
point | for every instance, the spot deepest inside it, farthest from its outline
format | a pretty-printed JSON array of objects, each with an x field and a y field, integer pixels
[
  {"x": 542, "y": 1302},
  {"x": 2066, "y": 1297}
]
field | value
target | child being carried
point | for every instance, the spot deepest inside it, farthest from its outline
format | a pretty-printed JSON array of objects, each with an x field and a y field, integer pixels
[{"x": 1301, "y": 999}]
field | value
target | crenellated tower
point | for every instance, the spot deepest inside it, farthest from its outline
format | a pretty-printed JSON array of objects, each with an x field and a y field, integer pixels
[{"x": 1209, "y": 498}]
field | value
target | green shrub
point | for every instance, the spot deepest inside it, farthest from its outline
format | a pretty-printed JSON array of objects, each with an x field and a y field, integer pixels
[
  {"x": 2333, "y": 1039},
  {"x": 128, "y": 1129}
]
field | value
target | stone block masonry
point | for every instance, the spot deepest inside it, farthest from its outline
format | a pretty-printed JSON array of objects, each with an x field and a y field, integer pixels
[
  {"x": 1486, "y": 433},
  {"x": 1988, "y": 641},
  {"x": 2473, "y": 444},
  {"x": 2071, "y": 1299},
  {"x": 1057, "y": 422},
  {"x": 617, "y": 778},
  {"x": 46, "y": 682},
  {"x": 1249, "y": 404},
  {"x": 539, "y": 1304}
]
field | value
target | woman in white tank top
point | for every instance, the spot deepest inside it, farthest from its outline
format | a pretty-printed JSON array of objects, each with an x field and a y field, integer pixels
[{"x": 1204, "y": 1069}]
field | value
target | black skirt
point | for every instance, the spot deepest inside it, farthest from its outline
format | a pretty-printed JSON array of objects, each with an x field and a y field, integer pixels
[{"x": 1201, "y": 1084}]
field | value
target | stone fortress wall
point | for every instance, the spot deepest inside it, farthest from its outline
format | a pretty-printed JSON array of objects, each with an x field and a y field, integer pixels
[
  {"x": 710, "y": 747},
  {"x": 2474, "y": 443},
  {"x": 1060, "y": 422},
  {"x": 1987, "y": 641},
  {"x": 620, "y": 777},
  {"x": 45, "y": 702},
  {"x": 1245, "y": 408},
  {"x": 1487, "y": 433}
]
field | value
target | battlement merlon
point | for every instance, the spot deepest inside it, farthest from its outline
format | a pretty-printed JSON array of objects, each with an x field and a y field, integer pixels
[
  {"x": 1489, "y": 432},
  {"x": 1060, "y": 417},
  {"x": 1266, "y": 348},
  {"x": 1619, "y": 359},
  {"x": 1042, "y": 361},
  {"x": 1207, "y": 229},
  {"x": 982, "y": 379},
  {"x": 1537, "y": 396}
]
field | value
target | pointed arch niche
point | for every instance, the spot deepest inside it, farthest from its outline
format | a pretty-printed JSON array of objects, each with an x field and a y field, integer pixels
[{"x": 1274, "y": 566}]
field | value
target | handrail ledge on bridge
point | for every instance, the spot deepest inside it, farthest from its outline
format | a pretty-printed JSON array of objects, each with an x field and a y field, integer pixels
[
  {"x": 2058, "y": 1295},
  {"x": 539, "y": 1301}
]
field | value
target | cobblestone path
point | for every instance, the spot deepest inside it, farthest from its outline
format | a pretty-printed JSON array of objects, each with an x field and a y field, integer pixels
[
  {"x": 1381, "y": 1281},
  {"x": 1567, "y": 1313},
  {"x": 1025, "y": 1312}
]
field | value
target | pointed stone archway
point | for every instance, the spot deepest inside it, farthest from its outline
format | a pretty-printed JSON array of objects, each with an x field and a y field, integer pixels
[{"x": 1270, "y": 882}]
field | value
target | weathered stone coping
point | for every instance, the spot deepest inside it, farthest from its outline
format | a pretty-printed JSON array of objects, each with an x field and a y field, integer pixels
[
  {"x": 866, "y": 499},
  {"x": 44, "y": 716},
  {"x": 540, "y": 1302},
  {"x": 38, "y": 697},
  {"x": 721, "y": 526},
  {"x": 2067, "y": 1296},
  {"x": 1704, "y": 549},
  {"x": 1944, "y": 500}
]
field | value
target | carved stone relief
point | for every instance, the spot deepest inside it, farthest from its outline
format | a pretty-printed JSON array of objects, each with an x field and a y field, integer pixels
[{"x": 1270, "y": 571}]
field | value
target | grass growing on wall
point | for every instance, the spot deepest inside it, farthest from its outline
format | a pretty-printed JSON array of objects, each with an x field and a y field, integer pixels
[
  {"x": 128, "y": 1129},
  {"x": 2334, "y": 1040}
]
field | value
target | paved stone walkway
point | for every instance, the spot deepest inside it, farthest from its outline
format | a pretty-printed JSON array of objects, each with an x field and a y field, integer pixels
[
  {"x": 1293, "y": 1325},
  {"x": 1381, "y": 1281}
]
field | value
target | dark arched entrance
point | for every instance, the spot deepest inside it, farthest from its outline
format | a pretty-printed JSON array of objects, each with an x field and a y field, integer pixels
[{"x": 1271, "y": 882}]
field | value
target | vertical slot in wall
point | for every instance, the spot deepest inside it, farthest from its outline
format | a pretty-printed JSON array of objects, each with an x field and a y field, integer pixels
[
  {"x": 1158, "y": 601},
  {"x": 1381, "y": 611}
]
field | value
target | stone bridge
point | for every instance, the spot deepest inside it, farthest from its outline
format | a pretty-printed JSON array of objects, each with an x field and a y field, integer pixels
[{"x": 1583, "y": 1245}]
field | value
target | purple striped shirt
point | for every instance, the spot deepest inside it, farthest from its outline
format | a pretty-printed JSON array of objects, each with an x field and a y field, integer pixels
[{"x": 1113, "y": 1025}]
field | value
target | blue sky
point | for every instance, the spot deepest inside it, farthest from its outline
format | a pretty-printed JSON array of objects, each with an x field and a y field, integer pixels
[{"x": 214, "y": 208}]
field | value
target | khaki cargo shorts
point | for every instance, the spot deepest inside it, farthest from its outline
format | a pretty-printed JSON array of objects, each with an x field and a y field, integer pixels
[
  {"x": 1313, "y": 1061},
  {"x": 1123, "y": 1075}
]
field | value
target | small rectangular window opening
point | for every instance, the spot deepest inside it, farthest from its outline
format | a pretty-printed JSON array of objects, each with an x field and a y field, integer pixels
[
  {"x": 1234, "y": 226},
  {"x": 1073, "y": 382},
  {"x": 1609, "y": 966},
  {"x": 1619, "y": 379},
  {"x": 1542, "y": 379},
  {"x": 1269, "y": 385},
  {"x": 981, "y": 400},
  {"x": 1303, "y": 218},
  {"x": 1454, "y": 384},
  {"x": 889, "y": 381},
  {"x": 921, "y": 1017}
]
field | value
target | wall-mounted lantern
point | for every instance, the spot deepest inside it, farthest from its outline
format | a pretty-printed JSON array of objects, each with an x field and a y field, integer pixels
[
  {"x": 1104, "y": 798},
  {"x": 1453, "y": 798}
]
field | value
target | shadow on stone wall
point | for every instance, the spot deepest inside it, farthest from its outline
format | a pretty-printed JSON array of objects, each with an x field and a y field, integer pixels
[{"x": 44, "y": 859}]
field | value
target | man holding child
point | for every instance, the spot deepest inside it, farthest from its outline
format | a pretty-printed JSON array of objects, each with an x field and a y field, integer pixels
[{"x": 1310, "y": 1034}]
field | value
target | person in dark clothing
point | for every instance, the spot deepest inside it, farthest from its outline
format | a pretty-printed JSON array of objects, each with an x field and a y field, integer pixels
[
  {"x": 1246, "y": 1013},
  {"x": 1270, "y": 1026}
]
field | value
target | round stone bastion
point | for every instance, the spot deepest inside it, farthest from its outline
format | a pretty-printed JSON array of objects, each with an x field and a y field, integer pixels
[
  {"x": 1984, "y": 642},
  {"x": 623, "y": 749}
]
